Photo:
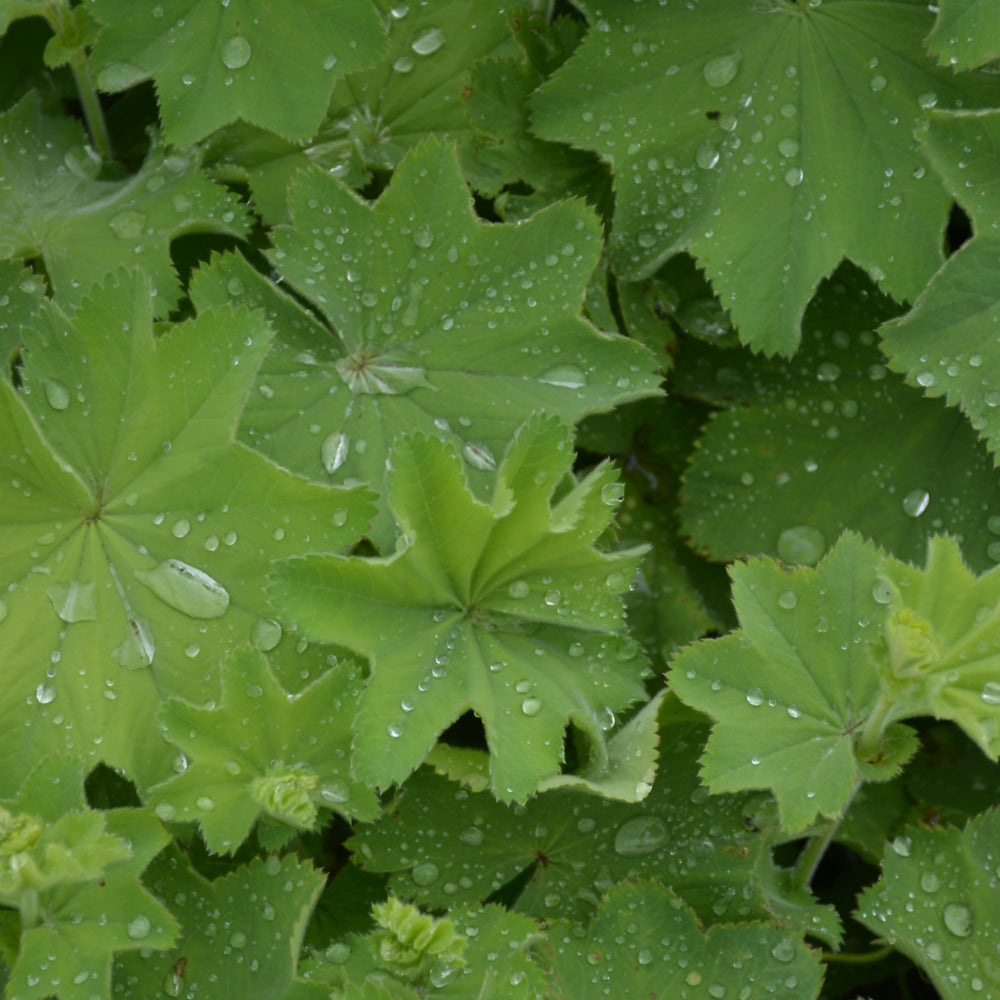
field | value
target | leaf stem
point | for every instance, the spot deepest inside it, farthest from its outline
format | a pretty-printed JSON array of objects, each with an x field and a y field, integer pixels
[
  {"x": 811, "y": 855},
  {"x": 858, "y": 958},
  {"x": 875, "y": 725},
  {"x": 59, "y": 20},
  {"x": 29, "y": 909}
]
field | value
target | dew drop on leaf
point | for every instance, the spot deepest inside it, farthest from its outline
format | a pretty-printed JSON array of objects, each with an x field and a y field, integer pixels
[
  {"x": 613, "y": 493},
  {"x": 138, "y": 927},
  {"x": 784, "y": 950},
  {"x": 425, "y": 873},
  {"x": 428, "y": 41},
  {"x": 56, "y": 394},
  {"x": 74, "y": 601},
  {"x": 519, "y": 589},
  {"x": 423, "y": 237},
  {"x": 991, "y": 693},
  {"x": 45, "y": 694},
  {"x": 186, "y": 589},
  {"x": 236, "y": 52},
  {"x": 707, "y": 156},
  {"x": 929, "y": 882},
  {"x": 480, "y": 456},
  {"x": 266, "y": 634},
  {"x": 181, "y": 528},
  {"x": 335, "y": 792},
  {"x": 641, "y": 835},
  {"x": 788, "y": 599},
  {"x": 802, "y": 544},
  {"x": 129, "y": 225},
  {"x": 118, "y": 76},
  {"x": 135, "y": 651},
  {"x": 794, "y": 177},
  {"x": 721, "y": 70},
  {"x": 755, "y": 697},
  {"x": 915, "y": 502},
  {"x": 531, "y": 706},
  {"x": 205, "y": 803},
  {"x": 471, "y": 835},
  {"x": 882, "y": 592},
  {"x": 957, "y": 918},
  {"x": 564, "y": 376}
]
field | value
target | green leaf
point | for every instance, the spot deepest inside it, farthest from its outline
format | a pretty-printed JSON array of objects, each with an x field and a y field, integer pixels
[
  {"x": 54, "y": 207},
  {"x": 136, "y": 533},
  {"x": 248, "y": 759},
  {"x": 789, "y": 689},
  {"x": 829, "y": 440},
  {"x": 646, "y": 937},
  {"x": 73, "y": 875},
  {"x": 503, "y": 608},
  {"x": 937, "y": 902},
  {"x": 947, "y": 343},
  {"x": 564, "y": 848},
  {"x": 446, "y": 326},
  {"x": 13, "y": 10},
  {"x": 966, "y": 33},
  {"x": 939, "y": 655},
  {"x": 269, "y": 62},
  {"x": 21, "y": 292},
  {"x": 769, "y": 140},
  {"x": 241, "y": 933}
]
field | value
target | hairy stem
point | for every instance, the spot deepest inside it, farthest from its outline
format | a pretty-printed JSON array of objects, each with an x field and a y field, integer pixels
[
  {"x": 858, "y": 958},
  {"x": 811, "y": 855},
  {"x": 875, "y": 725}
]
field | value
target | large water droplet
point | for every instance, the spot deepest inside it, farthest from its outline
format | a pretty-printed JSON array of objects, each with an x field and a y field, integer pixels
[
  {"x": 480, "y": 456},
  {"x": 471, "y": 835},
  {"x": 425, "y": 873},
  {"x": 74, "y": 601},
  {"x": 428, "y": 41},
  {"x": 205, "y": 803},
  {"x": 266, "y": 634},
  {"x": 519, "y": 589},
  {"x": 958, "y": 919},
  {"x": 236, "y": 52},
  {"x": 423, "y": 237},
  {"x": 138, "y": 927},
  {"x": 335, "y": 792},
  {"x": 707, "y": 156},
  {"x": 721, "y": 70},
  {"x": 56, "y": 394},
  {"x": 641, "y": 835},
  {"x": 129, "y": 225},
  {"x": 755, "y": 697},
  {"x": 135, "y": 651},
  {"x": 788, "y": 599},
  {"x": 564, "y": 376},
  {"x": 186, "y": 589},
  {"x": 915, "y": 502},
  {"x": 531, "y": 706},
  {"x": 784, "y": 950},
  {"x": 882, "y": 591},
  {"x": 45, "y": 694},
  {"x": 802, "y": 544},
  {"x": 991, "y": 693},
  {"x": 334, "y": 451}
]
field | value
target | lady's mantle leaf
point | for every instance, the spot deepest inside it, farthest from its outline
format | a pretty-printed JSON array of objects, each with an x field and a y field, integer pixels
[
  {"x": 135, "y": 532},
  {"x": 939, "y": 903},
  {"x": 504, "y": 608},
  {"x": 648, "y": 942},
  {"x": 61, "y": 866},
  {"x": 242, "y": 933},
  {"x": 53, "y": 206},
  {"x": 947, "y": 344},
  {"x": 941, "y": 652},
  {"x": 249, "y": 760},
  {"x": 769, "y": 139},
  {"x": 790, "y": 688},
  {"x": 261, "y": 60},
  {"x": 966, "y": 33},
  {"x": 446, "y": 326}
]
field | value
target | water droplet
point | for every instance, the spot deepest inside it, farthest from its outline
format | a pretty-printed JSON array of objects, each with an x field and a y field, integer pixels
[
  {"x": 428, "y": 41},
  {"x": 173, "y": 984},
  {"x": 641, "y": 835},
  {"x": 784, "y": 950},
  {"x": 802, "y": 544},
  {"x": 902, "y": 846},
  {"x": 45, "y": 694},
  {"x": 335, "y": 792},
  {"x": 238, "y": 939},
  {"x": 423, "y": 237},
  {"x": 721, "y": 70},
  {"x": 329, "y": 62},
  {"x": 915, "y": 502},
  {"x": 564, "y": 376},
  {"x": 236, "y": 52},
  {"x": 929, "y": 882},
  {"x": 755, "y": 697},
  {"x": 129, "y": 225},
  {"x": 991, "y": 693},
  {"x": 135, "y": 651},
  {"x": 882, "y": 592},
  {"x": 404, "y": 64},
  {"x": 927, "y": 100},
  {"x": 480, "y": 456},
  {"x": 119, "y": 76},
  {"x": 334, "y": 451},
  {"x": 788, "y": 600},
  {"x": 395, "y": 730},
  {"x": 471, "y": 835},
  {"x": 613, "y": 493},
  {"x": 519, "y": 589},
  {"x": 266, "y": 634},
  {"x": 56, "y": 394},
  {"x": 426, "y": 873},
  {"x": 138, "y": 927},
  {"x": 958, "y": 919},
  {"x": 205, "y": 803},
  {"x": 181, "y": 528},
  {"x": 878, "y": 82},
  {"x": 788, "y": 147},
  {"x": 74, "y": 601},
  {"x": 531, "y": 706},
  {"x": 707, "y": 156},
  {"x": 4, "y": 609},
  {"x": 186, "y": 589},
  {"x": 794, "y": 177}
]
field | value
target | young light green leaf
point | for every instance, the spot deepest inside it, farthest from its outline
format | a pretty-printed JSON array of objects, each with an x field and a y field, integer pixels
[
  {"x": 770, "y": 473},
  {"x": 447, "y": 326},
  {"x": 53, "y": 206},
  {"x": 13, "y": 10},
  {"x": 939, "y": 655},
  {"x": 242, "y": 933},
  {"x": 504, "y": 608},
  {"x": 270, "y": 62},
  {"x": 648, "y": 942},
  {"x": 60, "y": 866},
  {"x": 758, "y": 138},
  {"x": 966, "y": 33},
  {"x": 135, "y": 531},
  {"x": 937, "y": 902},
  {"x": 947, "y": 343},
  {"x": 248, "y": 759},
  {"x": 574, "y": 845},
  {"x": 793, "y": 684}
]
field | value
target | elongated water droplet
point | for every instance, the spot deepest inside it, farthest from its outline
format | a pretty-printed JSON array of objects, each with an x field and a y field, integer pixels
[
  {"x": 74, "y": 601},
  {"x": 56, "y": 394},
  {"x": 991, "y": 693},
  {"x": 915, "y": 502},
  {"x": 119, "y": 76},
  {"x": 334, "y": 451},
  {"x": 721, "y": 70},
  {"x": 428, "y": 41},
  {"x": 186, "y": 589},
  {"x": 707, "y": 156},
  {"x": 564, "y": 376},
  {"x": 641, "y": 835},
  {"x": 236, "y": 52},
  {"x": 480, "y": 456},
  {"x": 135, "y": 651}
]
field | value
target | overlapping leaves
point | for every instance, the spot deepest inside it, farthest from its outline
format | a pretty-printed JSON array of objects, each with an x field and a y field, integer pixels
[
  {"x": 135, "y": 531},
  {"x": 505, "y": 608},
  {"x": 771, "y": 140}
]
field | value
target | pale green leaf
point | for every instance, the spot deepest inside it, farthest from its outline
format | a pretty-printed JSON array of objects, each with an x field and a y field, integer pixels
[
  {"x": 770, "y": 140},
  {"x": 496, "y": 608},
  {"x": 55, "y": 207},
  {"x": 966, "y": 33},
  {"x": 937, "y": 902},
  {"x": 789, "y": 689},
  {"x": 270, "y": 62},
  {"x": 20, "y": 292},
  {"x": 136, "y": 533},
  {"x": 647, "y": 942}
]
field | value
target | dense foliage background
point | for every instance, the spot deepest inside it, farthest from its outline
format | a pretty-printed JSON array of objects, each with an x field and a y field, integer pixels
[{"x": 499, "y": 501}]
